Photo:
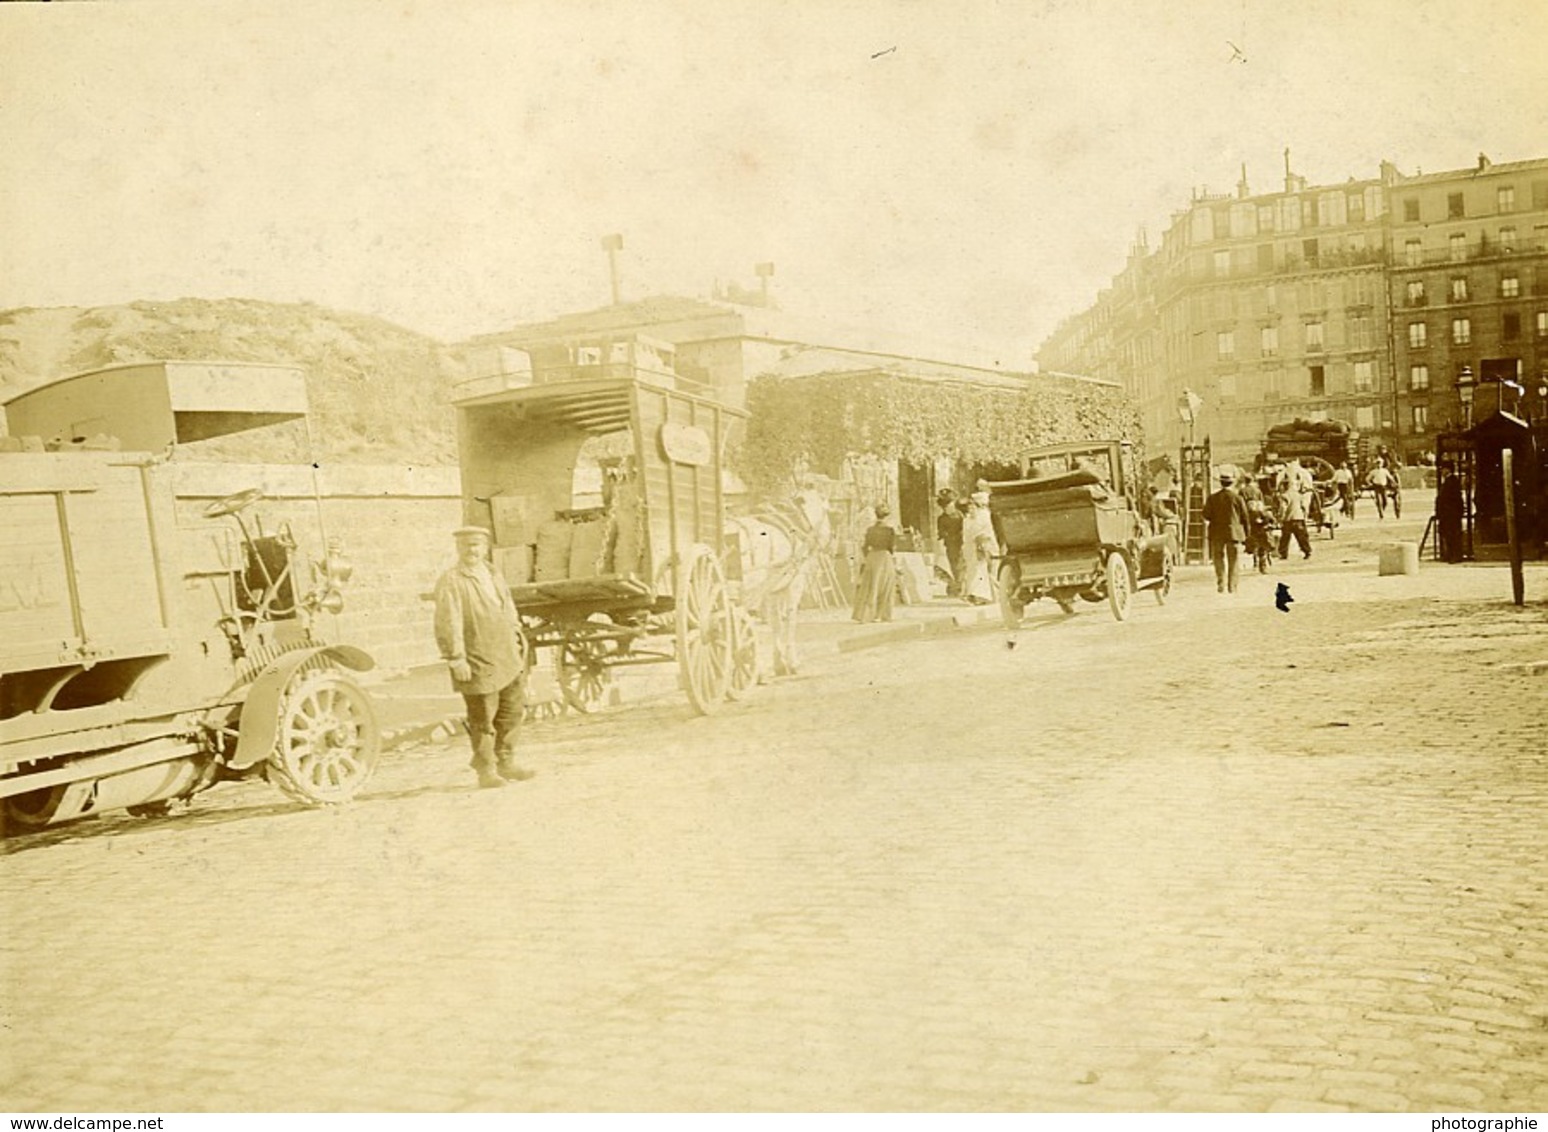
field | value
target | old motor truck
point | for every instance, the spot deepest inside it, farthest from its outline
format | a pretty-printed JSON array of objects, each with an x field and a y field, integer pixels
[
  {"x": 145, "y": 657},
  {"x": 1071, "y": 529}
]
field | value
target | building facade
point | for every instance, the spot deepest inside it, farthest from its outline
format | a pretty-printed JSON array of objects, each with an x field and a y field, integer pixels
[
  {"x": 1469, "y": 285},
  {"x": 1356, "y": 302}
]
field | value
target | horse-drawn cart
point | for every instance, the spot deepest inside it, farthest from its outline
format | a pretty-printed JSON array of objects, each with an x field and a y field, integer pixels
[{"x": 605, "y": 498}]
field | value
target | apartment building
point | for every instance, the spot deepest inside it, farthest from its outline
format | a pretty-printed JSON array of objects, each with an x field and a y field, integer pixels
[
  {"x": 1356, "y": 302},
  {"x": 1469, "y": 284}
]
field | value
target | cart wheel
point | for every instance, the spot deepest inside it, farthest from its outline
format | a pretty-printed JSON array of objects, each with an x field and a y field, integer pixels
[
  {"x": 1163, "y": 588},
  {"x": 1011, "y": 610},
  {"x": 329, "y": 740},
  {"x": 744, "y": 654},
  {"x": 704, "y": 633},
  {"x": 583, "y": 674},
  {"x": 1118, "y": 585}
]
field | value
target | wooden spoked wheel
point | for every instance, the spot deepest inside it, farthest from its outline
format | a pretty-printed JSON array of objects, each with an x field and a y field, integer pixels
[
  {"x": 583, "y": 674},
  {"x": 744, "y": 654},
  {"x": 329, "y": 740},
  {"x": 705, "y": 637},
  {"x": 1118, "y": 591}
]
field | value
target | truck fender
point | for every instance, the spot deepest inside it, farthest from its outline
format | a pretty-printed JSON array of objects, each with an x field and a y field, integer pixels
[{"x": 260, "y": 719}]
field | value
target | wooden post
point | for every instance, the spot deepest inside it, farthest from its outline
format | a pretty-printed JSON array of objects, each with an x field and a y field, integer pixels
[{"x": 1512, "y": 532}]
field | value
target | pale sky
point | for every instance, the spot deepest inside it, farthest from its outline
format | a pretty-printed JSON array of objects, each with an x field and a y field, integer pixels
[{"x": 973, "y": 171}]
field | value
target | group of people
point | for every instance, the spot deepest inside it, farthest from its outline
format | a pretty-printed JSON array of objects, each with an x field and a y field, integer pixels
[
  {"x": 1237, "y": 517},
  {"x": 967, "y": 533},
  {"x": 1284, "y": 496}
]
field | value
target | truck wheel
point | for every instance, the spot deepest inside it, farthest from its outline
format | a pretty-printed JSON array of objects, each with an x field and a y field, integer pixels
[
  {"x": 32, "y": 810},
  {"x": 1011, "y": 610},
  {"x": 329, "y": 740},
  {"x": 1118, "y": 585}
]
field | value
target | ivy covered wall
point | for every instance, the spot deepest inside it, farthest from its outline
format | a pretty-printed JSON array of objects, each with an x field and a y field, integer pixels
[{"x": 822, "y": 419}]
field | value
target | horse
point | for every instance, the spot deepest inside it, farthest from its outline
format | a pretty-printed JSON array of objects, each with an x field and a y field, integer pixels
[{"x": 779, "y": 546}]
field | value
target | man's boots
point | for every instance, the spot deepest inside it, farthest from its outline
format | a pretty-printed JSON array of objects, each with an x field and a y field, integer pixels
[
  {"x": 509, "y": 771},
  {"x": 483, "y": 763}
]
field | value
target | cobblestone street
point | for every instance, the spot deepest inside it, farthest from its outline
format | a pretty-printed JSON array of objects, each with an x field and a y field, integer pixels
[{"x": 1215, "y": 858}]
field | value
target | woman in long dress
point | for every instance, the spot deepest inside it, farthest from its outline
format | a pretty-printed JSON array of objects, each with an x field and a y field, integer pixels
[
  {"x": 979, "y": 548},
  {"x": 878, "y": 575}
]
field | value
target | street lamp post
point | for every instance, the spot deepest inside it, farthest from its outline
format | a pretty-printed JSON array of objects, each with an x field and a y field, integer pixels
[
  {"x": 1466, "y": 386},
  {"x": 1188, "y": 406}
]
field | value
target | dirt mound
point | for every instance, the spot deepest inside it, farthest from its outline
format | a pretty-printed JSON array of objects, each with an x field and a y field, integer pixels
[{"x": 377, "y": 391}]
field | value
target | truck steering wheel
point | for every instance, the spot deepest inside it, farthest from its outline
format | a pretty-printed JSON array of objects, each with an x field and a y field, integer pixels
[{"x": 230, "y": 505}]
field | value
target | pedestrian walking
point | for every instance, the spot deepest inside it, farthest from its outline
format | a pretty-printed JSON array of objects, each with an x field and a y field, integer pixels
[
  {"x": 979, "y": 549},
  {"x": 878, "y": 573},
  {"x": 479, "y": 634},
  {"x": 1260, "y": 542},
  {"x": 948, "y": 524},
  {"x": 1343, "y": 477},
  {"x": 1292, "y": 521},
  {"x": 1227, "y": 522},
  {"x": 1380, "y": 480}
]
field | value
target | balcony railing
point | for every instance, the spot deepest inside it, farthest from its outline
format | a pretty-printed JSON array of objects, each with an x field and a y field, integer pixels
[{"x": 1464, "y": 253}]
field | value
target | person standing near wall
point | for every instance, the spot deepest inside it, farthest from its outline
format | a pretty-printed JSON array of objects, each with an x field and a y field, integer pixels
[
  {"x": 479, "y": 635},
  {"x": 1448, "y": 513},
  {"x": 979, "y": 548},
  {"x": 878, "y": 573},
  {"x": 948, "y": 524}
]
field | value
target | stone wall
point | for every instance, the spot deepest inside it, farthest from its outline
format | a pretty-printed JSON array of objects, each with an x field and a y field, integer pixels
[{"x": 394, "y": 524}]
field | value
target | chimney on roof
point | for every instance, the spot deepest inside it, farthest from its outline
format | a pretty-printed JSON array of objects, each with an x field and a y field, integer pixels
[
  {"x": 1241, "y": 186},
  {"x": 612, "y": 245},
  {"x": 764, "y": 271},
  {"x": 1483, "y": 162}
]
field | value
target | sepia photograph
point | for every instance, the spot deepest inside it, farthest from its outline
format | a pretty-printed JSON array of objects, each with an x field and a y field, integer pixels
[{"x": 822, "y": 556}]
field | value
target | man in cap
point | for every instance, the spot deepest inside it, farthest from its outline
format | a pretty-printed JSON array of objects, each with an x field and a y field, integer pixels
[
  {"x": 1227, "y": 521},
  {"x": 479, "y": 635}
]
